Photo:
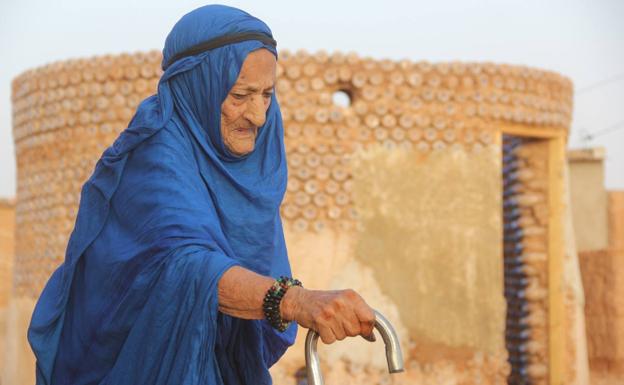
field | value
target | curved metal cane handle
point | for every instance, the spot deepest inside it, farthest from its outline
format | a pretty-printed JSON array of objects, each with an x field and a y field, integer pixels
[{"x": 390, "y": 339}]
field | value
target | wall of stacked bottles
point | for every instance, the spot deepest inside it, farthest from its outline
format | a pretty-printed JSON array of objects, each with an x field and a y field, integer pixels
[
  {"x": 525, "y": 215},
  {"x": 66, "y": 113}
]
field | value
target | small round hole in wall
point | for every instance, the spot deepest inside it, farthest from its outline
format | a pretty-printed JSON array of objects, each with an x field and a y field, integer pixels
[{"x": 342, "y": 98}]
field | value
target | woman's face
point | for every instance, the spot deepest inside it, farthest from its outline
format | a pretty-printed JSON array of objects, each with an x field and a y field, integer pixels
[{"x": 244, "y": 109}]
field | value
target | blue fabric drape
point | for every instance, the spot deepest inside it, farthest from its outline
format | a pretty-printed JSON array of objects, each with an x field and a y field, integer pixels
[{"x": 166, "y": 211}]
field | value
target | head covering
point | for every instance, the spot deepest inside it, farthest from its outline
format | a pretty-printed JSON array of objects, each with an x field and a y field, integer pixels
[{"x": 166, "y": 211}]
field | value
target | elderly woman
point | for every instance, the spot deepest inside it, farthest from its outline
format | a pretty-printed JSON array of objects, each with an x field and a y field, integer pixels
[{"x": 170, "y": 272}]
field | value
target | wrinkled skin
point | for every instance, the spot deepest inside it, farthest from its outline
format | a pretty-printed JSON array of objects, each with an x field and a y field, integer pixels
[{"x": 244, "y": 109}]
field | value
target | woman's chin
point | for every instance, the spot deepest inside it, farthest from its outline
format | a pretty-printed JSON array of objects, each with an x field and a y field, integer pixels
[{"x": 242, "y": 149}]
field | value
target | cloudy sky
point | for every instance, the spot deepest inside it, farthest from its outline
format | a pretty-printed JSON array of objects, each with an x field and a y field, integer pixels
[{"x": 583, "y": 40}]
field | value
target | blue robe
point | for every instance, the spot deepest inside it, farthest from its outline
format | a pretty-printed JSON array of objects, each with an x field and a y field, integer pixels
[{"x": 167, "y": 210}]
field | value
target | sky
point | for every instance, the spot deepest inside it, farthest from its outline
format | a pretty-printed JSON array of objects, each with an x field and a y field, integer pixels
[{"x": 583, "y": 40}]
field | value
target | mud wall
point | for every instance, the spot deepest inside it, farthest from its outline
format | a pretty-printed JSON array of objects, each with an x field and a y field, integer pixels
[
  {"x": 603, "y": 277},
  {"x": 616, "y": 219},
  {"x": 7, "y": 245},
  {"x": 576, "y": 356},
  {"x": 7, "y": 228},
  {"x": 604, "y": 312}
]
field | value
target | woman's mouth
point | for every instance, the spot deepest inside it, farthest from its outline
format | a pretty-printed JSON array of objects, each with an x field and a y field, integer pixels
[{"x": 245, "y": 131}]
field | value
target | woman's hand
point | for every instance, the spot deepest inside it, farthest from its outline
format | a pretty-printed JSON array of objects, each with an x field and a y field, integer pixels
[{"x": 333, "y": 314}]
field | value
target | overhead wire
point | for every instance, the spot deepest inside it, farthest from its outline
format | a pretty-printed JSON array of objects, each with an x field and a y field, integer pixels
[
  {"x": 601, "y": 83},
  {"x": 607, "y": 130},
  {"x": 612, "y": 128}
]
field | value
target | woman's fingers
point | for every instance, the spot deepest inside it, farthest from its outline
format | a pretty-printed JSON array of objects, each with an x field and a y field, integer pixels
[
  {"x": 339, "y": 331},
  {"x": 334, "y": 314},
  {"x": 366, "y": 315},
  {"x": 370, "y": 338},
  {"x": 331, "y": 316},
  {"x": 352, "y": 325},
  {"x": 327, "y": 335}
]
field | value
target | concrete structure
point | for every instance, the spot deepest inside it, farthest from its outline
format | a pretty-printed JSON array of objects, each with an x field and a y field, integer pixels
[
  {"x": 589, "y": 197},
  {"x": 599, "y": 230},
  {"x": 397, "y": 194}
]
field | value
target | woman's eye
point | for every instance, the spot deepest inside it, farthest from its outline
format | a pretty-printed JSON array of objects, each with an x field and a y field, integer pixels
[
  {"x": 238, "y": 96},
  {"x": 268, "y": 95}
]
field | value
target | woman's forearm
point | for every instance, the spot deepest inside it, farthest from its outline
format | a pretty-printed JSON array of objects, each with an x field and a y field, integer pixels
[{"x": 242, "y": 291}]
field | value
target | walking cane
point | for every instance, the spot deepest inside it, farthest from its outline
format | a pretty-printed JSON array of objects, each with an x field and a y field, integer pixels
[{"x": 390, "y": 339}]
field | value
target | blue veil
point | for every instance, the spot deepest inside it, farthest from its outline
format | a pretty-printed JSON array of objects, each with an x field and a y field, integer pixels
[{"x": 167, "y": 210}]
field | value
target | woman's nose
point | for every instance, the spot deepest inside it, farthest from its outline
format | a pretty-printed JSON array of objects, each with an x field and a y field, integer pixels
[{"x": 256, "y": 111}]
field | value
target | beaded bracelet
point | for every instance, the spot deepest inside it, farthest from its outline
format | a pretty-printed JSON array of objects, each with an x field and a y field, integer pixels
[{"x": 272, "y": 300}]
